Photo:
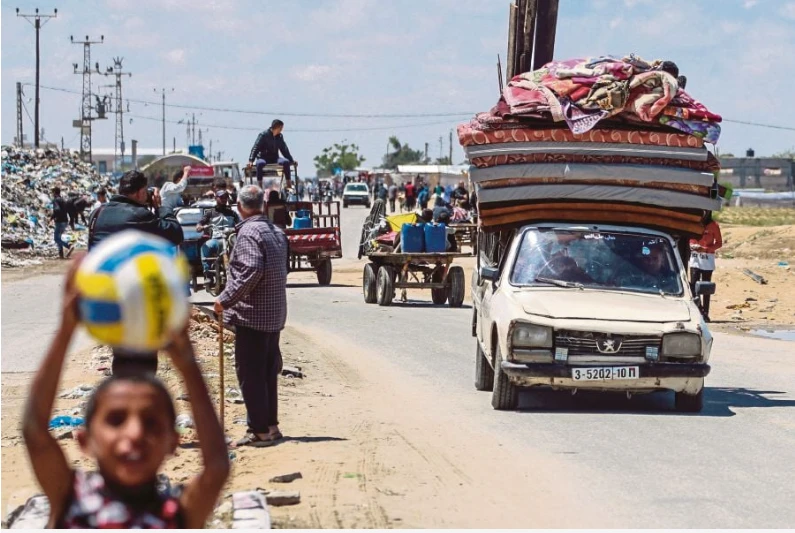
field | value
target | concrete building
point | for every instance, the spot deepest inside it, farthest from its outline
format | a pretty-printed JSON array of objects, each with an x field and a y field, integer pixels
[{"x": 768, "y": 173}]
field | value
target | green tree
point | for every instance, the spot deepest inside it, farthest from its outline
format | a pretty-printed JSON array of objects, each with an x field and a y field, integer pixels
[
  {"x": 402, "y": 154},
  {"x": 340, "y": 155},
  {"x": 786, "y": 154},
  {"x": 443, "y": 161}
]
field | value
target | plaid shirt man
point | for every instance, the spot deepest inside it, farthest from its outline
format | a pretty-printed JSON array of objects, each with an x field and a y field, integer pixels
[{"x": 256, "y": 294}]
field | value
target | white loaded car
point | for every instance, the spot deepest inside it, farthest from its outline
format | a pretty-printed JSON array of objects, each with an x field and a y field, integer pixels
[
  {"x": 603, "y": 308},
  {"x": 356, "y": 193}
]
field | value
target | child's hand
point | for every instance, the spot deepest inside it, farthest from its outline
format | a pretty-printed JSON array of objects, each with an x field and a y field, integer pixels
[{"x": 70, "y": 315}]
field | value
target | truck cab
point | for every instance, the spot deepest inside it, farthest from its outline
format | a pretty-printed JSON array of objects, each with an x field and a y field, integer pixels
[{"x": 590, "y": 307}]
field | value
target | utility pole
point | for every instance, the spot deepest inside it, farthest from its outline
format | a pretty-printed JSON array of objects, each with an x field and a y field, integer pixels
[
  {"x": 85, "y": 108},
  {"x": 36, "y": 17},
  {"x": 440, "y": 147},
  {"x": 118, "y": 147},
  {"x": 19, "y": 115},
  {"x": 163, "y": 94},
  {"x": 426, "y": 154},
  {"x": 451, "y": 147}
]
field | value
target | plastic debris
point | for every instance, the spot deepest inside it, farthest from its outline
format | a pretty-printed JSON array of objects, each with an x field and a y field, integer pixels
[
  {"x": 66, "y": 421},
  {"x": 83, "y": 391},
  {"x": 184, "y": 421},
  {"x": 292, "y": 371},
  {"x": 249, "y": 511},
  {"x": 33, "y": 515},
  {"x": 28, "y": 177}
]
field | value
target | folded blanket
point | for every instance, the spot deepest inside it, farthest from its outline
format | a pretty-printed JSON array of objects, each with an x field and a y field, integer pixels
[{"x": 583, "y": 92}]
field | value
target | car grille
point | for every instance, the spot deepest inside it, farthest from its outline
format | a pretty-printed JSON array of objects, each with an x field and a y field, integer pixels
[{"x": 590, "y": 343}]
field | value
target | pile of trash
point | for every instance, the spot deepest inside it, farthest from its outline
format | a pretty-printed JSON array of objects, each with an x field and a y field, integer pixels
[{"x": 28, "y": 177}]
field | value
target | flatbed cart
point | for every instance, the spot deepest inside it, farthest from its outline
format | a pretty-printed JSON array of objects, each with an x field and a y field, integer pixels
[
  {"x": 386, "y": 272},
  {"x": 312, "y": 249},
  {"x": 465, "y": 235}
]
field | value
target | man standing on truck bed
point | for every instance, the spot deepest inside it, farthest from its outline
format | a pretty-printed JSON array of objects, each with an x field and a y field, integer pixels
[{"x": 266, "y": 151}]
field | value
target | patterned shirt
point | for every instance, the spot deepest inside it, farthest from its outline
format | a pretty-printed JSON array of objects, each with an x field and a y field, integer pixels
[
  {"x": 93, "y": 507},
  {"x": 256, "y": 293}
]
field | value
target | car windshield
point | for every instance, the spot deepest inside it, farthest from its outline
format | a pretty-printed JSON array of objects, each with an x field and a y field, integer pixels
[
  {"x": 357, "y": 188},
  {"x": 597, "y": 259}
]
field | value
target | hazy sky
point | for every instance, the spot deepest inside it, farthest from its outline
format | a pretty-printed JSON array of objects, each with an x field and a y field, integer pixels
[{"x": 400, "y": 57}]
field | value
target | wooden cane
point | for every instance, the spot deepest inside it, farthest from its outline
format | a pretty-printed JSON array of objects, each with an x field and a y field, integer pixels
[{"x": 221, "y": 361}]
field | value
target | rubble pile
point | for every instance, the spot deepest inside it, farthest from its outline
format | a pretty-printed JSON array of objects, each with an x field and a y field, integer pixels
[{"x": 28, "y": 177}]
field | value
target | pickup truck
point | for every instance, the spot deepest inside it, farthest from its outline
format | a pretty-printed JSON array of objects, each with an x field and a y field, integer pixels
[{"x": 587, "y": 307}]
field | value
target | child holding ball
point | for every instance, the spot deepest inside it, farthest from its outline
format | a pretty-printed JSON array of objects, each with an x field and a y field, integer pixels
[{"x": 129, "y": 432}]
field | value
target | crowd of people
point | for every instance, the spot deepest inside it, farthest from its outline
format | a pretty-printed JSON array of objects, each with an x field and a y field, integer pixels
[{"x": 129, "y": 421}]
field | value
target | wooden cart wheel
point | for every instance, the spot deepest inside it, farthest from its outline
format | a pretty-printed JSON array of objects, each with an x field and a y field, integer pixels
[
  {"x": 385, "y": 286},
  {"x": 439, "y": 296},
  {"x": 324, "y": 272},
  {"x": 368, "y": 283},
  {"x": 456, "y": 279}
]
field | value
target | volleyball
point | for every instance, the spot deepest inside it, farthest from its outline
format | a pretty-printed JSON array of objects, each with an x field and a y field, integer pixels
[{"x": 132, "y": 291}]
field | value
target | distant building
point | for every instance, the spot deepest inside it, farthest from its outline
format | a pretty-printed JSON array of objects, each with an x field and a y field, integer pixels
[{"x": 769, "y": 173}]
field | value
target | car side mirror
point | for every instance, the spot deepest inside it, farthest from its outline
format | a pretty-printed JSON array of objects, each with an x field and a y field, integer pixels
[
  {"x": 489, "y": 273},
  {"x": 705, "y": 288}
]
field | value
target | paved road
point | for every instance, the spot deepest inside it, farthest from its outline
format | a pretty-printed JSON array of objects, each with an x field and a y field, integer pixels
[
  {"x": 729, "y": 467},
  {"x": 31, "y": 310}
]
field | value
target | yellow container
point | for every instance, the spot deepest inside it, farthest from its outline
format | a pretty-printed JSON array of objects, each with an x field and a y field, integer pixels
[{"x": 396, "y": 221}]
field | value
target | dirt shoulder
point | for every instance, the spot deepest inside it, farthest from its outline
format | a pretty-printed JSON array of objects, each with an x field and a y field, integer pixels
[{"x": 364, "y": 463}]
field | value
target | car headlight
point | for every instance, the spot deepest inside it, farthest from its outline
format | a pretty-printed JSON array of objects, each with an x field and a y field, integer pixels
[
  {"x": 531, "y": 336},
  {"x": 681, "y": 345}
]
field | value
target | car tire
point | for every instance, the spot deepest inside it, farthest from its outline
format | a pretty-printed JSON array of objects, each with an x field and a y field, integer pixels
[
  {"x": 505, "y": 395},
  {"x": 689, "y": 403},
  {"x": 324, "y": 271},
  {"x": 368, "y": 283},
  {"x": 385, "y": 286},
  {"x": 457, "y": 286},
  {"x": 484, "y": 374}
]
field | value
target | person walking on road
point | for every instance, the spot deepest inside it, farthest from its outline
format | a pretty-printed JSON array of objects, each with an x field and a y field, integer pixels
[
  {"x": 102, "y": 198},
  {"x": 60, "y": 215},
  {"x": 411, "y": 197},
  {"x": 266, "y": 151},
  {"x": 392, "y": 193},
  {"x": 702, "y": 259},
  {"x": 133, "y": 208},
  {"x": 255, "y": 302}
]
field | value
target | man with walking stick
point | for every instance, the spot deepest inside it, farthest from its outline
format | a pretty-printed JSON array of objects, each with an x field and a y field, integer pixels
[{"x": 255, "y": 302}]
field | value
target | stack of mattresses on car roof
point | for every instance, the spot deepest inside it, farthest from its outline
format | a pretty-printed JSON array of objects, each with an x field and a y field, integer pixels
[{"x": 614, "y": 169}]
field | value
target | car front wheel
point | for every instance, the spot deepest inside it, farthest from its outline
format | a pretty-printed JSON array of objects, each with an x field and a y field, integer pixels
[{"x": 505, "y": 395}]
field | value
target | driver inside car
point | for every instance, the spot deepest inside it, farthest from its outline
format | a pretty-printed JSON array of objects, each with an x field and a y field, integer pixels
[
  {"x": 653, "y": 269},
  {"x": 218, "y": 221}
]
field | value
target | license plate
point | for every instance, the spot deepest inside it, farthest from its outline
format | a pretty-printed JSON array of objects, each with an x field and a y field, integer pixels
[{"x": 605, "y": 373}]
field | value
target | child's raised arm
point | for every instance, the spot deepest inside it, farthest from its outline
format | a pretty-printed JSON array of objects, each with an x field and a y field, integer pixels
[
  {"x": 201, "y": 494},
  {"x": 49, "y": 462}
]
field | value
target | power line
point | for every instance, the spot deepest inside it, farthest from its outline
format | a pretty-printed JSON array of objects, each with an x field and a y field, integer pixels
[
  {"x": 333, "y": 130},
  {"x": 283, "y": 113},
  {"x": 772, "y": 126},
  {"x": 367, "y": 116}
]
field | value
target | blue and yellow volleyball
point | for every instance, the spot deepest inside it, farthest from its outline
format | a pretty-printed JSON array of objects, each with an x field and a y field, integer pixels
[{"x": 132, "y": 291}]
